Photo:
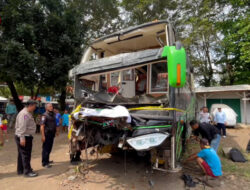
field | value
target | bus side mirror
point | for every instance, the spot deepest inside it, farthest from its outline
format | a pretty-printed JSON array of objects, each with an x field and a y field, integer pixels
[{"x": 176, "y": 61}]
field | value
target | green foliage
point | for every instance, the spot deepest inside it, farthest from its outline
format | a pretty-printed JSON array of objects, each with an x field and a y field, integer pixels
[
  {"x": 214, "y": 32},
  {"x": 61, "y": 38},
  {"x": 238, "y": 169},
  {"x": 141, "y": 11},
  {"x": 101, "y": 17},
  {"x": 235, "y": 28},
  {"x": 218, "y": 41},
  {"x": 5, "y": 92},
  {"x": 201, "y": 37},
  {"x": 40, "y": 41}
]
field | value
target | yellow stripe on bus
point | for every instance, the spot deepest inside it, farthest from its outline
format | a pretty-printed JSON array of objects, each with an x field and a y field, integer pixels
[{"x": 156, "y": 108}]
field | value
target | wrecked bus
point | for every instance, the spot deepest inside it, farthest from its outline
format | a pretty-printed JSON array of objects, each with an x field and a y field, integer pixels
[{"x": 133, "y": 91}]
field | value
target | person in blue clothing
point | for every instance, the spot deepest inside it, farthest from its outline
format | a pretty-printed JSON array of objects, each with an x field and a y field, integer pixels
[
  {"x": 220, "y": 119},
  {"x": 11, "y": 112},
  {"x": 207, "y": 159},
  {"x": 65, "y": 121},
  {"x": 58, "y": 117}
]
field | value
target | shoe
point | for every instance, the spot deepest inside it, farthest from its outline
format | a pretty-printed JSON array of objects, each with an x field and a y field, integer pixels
[
  {"x": 74, "y": 163},
  {"x": 31, "y": 174},
  {"x": 51, "y": 162},
  {"x": 188, "y": 180},
  {"x": 19, "y": 173},
  {"x": 224, "y": 136},
  {"x": 47, "y": 166}
]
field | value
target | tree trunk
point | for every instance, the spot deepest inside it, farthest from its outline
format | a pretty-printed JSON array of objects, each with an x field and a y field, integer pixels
[
  {"x": 14, "y": 94},
  {"x": 62, "y": 99},
  {"x": 37, "y": 92},
  {"x": 31, "y": 93}
]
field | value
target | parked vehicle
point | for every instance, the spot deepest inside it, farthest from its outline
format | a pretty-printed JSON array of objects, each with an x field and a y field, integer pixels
[
  {"x": 231, "y": 116},
  {"x": 144, "y": 71}
]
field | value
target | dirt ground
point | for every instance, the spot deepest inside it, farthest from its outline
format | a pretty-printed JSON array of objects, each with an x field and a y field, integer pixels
[{"x": 107, "y": 173}]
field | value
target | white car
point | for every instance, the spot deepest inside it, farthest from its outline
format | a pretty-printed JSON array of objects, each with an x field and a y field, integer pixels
[{"x": 231, "y": 116}]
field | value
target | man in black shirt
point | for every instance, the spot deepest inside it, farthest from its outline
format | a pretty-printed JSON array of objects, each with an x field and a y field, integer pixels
[
  {"x": 208, "y": 131},
  {"x": 48, "y": 129}
]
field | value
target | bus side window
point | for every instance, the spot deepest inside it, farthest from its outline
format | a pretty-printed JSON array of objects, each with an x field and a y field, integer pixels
[{"x": 159, "y": 78}]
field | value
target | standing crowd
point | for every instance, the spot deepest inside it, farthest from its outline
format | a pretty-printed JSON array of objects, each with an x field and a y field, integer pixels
[
  {"x": 210, "y": 129},
  {"x": 219, "y": 119},
  {"x": 48, "y": 124}
]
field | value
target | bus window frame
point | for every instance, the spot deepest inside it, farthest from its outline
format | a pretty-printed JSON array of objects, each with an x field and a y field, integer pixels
[{"x": 150, "y": 81}]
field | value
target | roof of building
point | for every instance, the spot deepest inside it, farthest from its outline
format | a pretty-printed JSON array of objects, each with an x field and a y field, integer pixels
[
  {"x": 243, "y": 87},
  {"x": 3, "y": 99}
]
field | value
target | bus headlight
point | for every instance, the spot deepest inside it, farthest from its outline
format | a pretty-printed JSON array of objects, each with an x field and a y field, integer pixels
[{"x": 146, "y": 142}]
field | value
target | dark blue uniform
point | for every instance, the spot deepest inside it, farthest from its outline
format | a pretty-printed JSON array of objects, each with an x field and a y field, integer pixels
[{"x": 49, "y": 122}]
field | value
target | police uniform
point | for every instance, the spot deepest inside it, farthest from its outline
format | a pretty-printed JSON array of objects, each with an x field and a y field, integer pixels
[
  {"x": 25, "y": 127},
  {"x": 49, "y": 122}
]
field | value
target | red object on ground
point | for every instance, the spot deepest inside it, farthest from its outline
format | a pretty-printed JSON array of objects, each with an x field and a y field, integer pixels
[
  {"x": 208, "y": 169},
  {"x": 113, "y": 89}
]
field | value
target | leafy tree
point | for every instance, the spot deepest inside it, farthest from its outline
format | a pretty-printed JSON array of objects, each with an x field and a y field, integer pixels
[
  {"x": 235, "y": 45},
  {"x": 101, "y": 16},
  {"x": 61, "y": 36},
  {"x": 141, "y": 11},
  {"x": 42, "y": 40},
  {"x": 215, "y": 34},
  {"x": 70, "y": 25},
  {"x": 17, "y": 54},
  {"x": 194, "y": 21},
  {"x": 201, "y": 37}
]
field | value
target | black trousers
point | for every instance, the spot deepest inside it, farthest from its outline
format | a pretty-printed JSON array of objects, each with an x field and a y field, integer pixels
[
  {"x": 24, "y": 155},
  {"x": 221, "y": 126},
  {"x": 47, "y": 147},
  {"x": 37, "y": 128}
]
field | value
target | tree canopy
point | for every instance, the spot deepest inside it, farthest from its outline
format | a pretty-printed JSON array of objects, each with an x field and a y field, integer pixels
[
  {"x": 215, "y": 33},
  {"x": 41, "y": 40}
]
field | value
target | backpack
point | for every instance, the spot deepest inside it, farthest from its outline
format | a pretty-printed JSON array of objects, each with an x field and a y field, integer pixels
[
  {"x": 248, "y": 147},
  {"x": 236, "y": 155}
]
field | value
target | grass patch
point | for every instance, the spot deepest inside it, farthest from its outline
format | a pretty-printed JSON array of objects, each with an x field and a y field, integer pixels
[
  {"x": 239, "y": 169},
  {"x": 235, "y": 168},
  {"x": 191, "y": 148}
]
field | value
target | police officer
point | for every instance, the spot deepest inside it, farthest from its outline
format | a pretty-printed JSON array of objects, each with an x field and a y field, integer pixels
[
  {"x": 48, "y": 131},
  {"x": 25, "y": 128}
]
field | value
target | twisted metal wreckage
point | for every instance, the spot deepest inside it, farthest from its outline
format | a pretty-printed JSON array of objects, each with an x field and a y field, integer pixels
[{"x": 136, "y": 96}]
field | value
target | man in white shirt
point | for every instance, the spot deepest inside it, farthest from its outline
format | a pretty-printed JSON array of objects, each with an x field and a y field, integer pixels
[
  {"x": 220, "y": 119},
  {"x": 205, "y": 116}
]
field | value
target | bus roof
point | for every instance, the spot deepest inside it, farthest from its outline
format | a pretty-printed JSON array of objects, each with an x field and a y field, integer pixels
[
  {"x": 119, "y": 62},
  {"x": 145, "y": 36}
]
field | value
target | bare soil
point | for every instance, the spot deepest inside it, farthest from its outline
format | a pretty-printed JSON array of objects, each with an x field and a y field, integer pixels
[{"x": 107, "y": 172}]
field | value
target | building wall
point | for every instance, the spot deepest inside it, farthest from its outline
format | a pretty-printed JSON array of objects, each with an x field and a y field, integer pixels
[{"x": 226, "y": 95}]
